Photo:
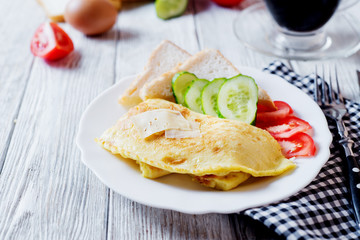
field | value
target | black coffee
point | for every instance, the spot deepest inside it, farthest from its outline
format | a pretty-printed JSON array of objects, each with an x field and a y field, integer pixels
[{"x": 302, "y": 15}]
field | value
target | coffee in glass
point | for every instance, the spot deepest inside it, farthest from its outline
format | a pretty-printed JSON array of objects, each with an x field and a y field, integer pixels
[{"x": 300, "y": 22}]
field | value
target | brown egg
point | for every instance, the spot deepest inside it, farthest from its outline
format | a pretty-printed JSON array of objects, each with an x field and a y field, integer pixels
[{"x": 90, "y": 16}]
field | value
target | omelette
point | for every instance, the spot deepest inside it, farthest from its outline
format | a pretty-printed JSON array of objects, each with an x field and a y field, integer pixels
[
  {"x": 226, "y": 182},
  {"x": 164, "y": 137}
]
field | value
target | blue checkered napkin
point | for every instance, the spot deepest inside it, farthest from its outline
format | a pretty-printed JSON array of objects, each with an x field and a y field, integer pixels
[{"x": 322, "y": 210}]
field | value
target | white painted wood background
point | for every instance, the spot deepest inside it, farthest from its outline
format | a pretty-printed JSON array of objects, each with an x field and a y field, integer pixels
[{"x": 45, "y": 190}]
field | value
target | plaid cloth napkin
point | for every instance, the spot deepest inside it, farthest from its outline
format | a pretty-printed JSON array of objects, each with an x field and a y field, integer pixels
[{"x": 321, "y": 210}]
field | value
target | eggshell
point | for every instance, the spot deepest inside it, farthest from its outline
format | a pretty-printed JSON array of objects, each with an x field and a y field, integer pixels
[{"x": 90, "y": 17}]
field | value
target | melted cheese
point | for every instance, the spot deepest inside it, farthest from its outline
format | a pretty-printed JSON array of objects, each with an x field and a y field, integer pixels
[
  {"x": 151, "y": 122},
  {"x": 176, "y": 133}
]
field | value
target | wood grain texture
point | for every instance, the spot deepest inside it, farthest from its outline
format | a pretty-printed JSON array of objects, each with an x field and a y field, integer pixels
[
  {"x": 15, "y": 66},
  {"x": 141, "y": 31},
  {"x": 192, "y": 34},
  {"x": 153, "y": 223},
  {"x": 346, "y": 67},
  {"x": 45, "y": 190},
  {"x": 214, "y": 26},
  {"x": 142, "y": 222}
]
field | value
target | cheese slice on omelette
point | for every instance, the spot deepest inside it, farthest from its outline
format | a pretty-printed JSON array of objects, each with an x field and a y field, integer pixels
[{"x": 223, "y": 146}]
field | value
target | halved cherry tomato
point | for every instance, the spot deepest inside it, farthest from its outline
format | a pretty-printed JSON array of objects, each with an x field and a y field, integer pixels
[
  {"x": 227, "y": 3},
  {"x": 283, "y": 110},
  {"x": 286, "y": 127},
  {"x": 298, "y": 145},
  {"x": 51, "y": 42}
]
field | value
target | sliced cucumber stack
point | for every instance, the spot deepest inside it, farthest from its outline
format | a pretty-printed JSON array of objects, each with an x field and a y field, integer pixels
[
  {"x": 209, "y": 96},
  {"x": 237, "y": 99},
  {"x": 166, "y": 9},
  {"x": 234, "y": 98},
  {"x": 180, "y": 84},
  {"x": 193, "y": 95}
]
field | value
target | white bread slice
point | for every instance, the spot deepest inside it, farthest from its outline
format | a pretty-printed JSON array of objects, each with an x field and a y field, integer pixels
[
  {"x": 208, "y": 64},
  {"x": 164, "y": 58}
]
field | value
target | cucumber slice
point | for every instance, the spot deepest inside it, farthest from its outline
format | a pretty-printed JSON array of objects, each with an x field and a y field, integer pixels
[
  {"x": 192, "y": 95},
  {"x": 237, "y": 99},
  {"x": 180, "y": 84},
  {"x": 209, "y": 96},
  {"x": 166, "y": 9}
]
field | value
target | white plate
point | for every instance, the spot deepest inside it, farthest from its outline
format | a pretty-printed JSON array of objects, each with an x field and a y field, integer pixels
[{"x": 178, "y": 192}]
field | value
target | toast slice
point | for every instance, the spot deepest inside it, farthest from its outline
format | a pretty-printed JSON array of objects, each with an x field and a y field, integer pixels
[
  {"x": 208, "y": 64},
  {"x": 164, "y": 58}
]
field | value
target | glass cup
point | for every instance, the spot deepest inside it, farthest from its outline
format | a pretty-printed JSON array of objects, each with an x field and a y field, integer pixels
[
  {"x": 299, "y": 29},
  {"x": 300, "y": 23}
]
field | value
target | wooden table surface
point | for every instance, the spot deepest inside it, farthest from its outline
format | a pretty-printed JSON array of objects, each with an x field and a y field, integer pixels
[{"x": 45, "y": 190}]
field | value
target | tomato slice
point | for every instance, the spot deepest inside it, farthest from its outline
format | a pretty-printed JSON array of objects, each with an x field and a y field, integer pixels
[
  {"x": 227, "y": 3},
  {"x": 298, "y": 145},
  {"x": 283, "y": 110},
  {"x": 286, "y": 127},
  {"x": 263, "y": 108},
  {"x": 288, "y": 130},
  {"x": 51, "y": 42}
]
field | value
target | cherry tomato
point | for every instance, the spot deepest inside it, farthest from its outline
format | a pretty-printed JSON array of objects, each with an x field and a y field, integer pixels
[
  {"x": 51, "y": 42},
  {"x": 286, "y": 127},
  {"x": 227, "y": 3},
  {"x": 298, "y": 145},
  {"x": 283, "y": 110}
]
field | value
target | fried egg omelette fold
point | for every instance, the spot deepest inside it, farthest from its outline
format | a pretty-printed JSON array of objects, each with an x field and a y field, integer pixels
[
  {"x": 224, "y": 147},
  {"x": 224, "y": 183}
]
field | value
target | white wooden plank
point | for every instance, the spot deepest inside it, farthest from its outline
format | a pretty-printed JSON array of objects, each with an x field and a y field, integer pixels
[
  {"x": 346, "y": 67},
  {"x": 46, "y": 192},
  {"x": 215, "y": 30},
  {"x": 137, "y": 221},
  {"x": 140, "y": 32},
  {"x": 15, "y": 65}
]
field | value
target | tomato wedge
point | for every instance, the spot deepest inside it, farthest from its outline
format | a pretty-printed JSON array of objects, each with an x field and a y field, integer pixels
[
  {"x": 51, "y": 42},
  {"x": 283, "y": 110},
  {"x": 286, "y": 127},
  {"x": 227, "y": 3},
  {"x": 298, "y": 145}
]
